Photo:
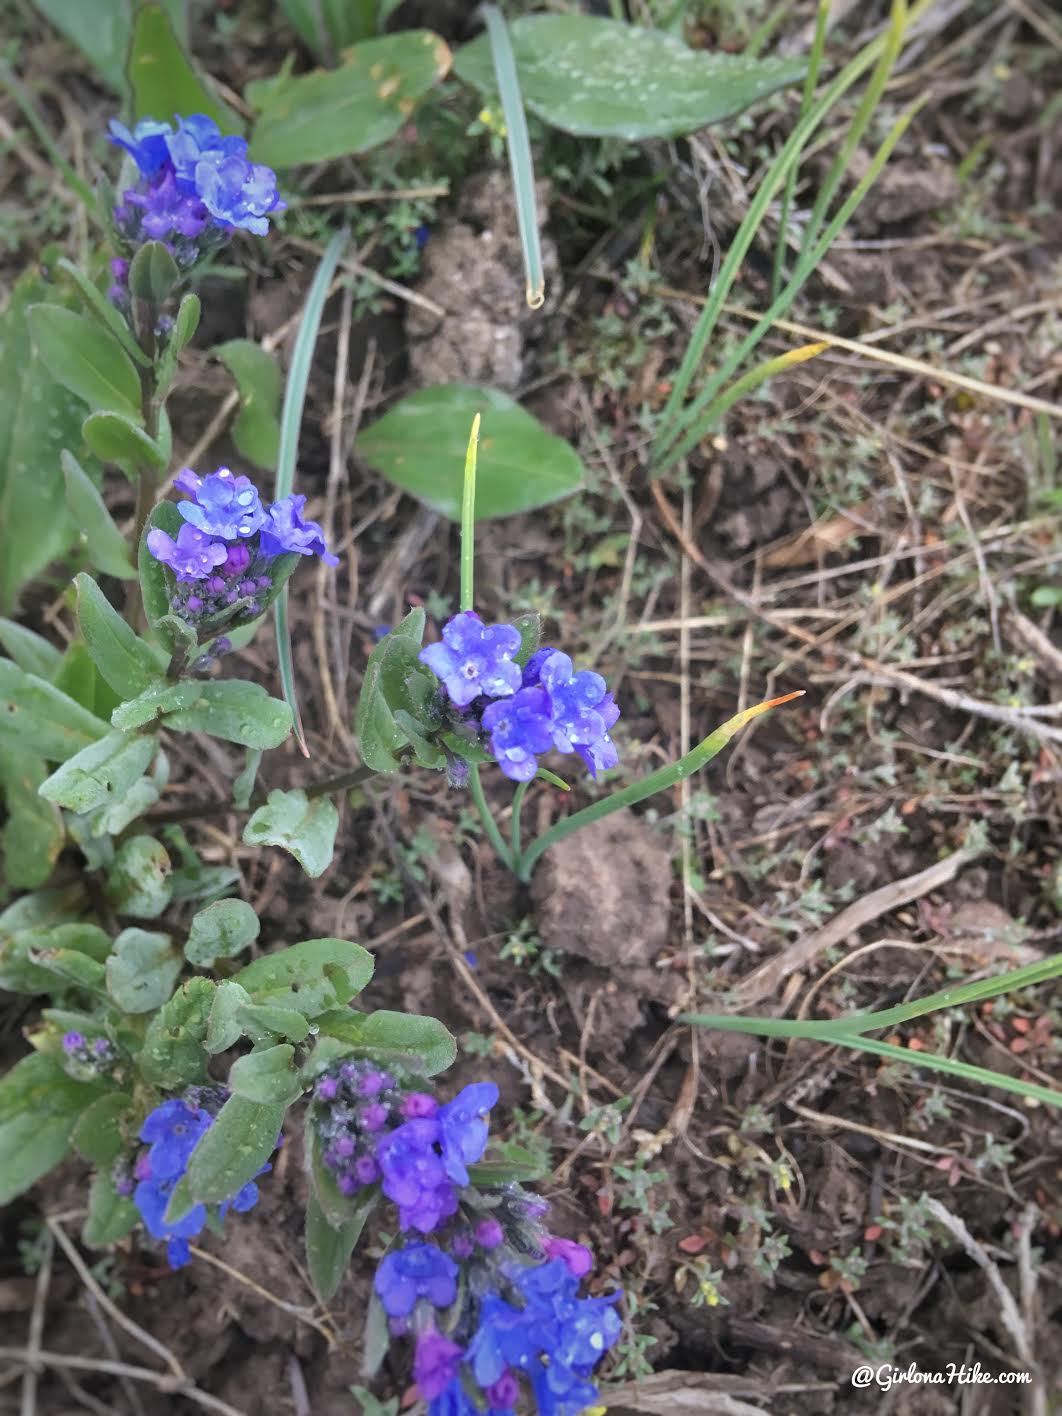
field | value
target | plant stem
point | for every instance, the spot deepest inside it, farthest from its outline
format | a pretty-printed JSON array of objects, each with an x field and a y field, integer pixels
[
  {"x": 475, "y": 786},
  {"x": 353, "y": 777},
  {"x": 658, "y": 781},
  {"x": 518, "y": 807},
  {"x": 468, "y": 520}
]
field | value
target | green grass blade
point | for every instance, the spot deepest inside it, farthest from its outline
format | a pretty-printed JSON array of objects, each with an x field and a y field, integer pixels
[
  {"x": 290, "y": 422},
  {"x": 777, "y": 173},
  {"x": 519, "y": 145},
  {"x": 818, "y": 45},
  {"x": 699, "y": 416},
  {"x": 468, "y": 521},
  {"x": 938, "y": 1063},
  {"x": 658, "y": 781}
]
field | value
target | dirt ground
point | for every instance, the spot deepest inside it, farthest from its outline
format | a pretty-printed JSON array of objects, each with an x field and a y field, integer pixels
[{"x": 865, "y": 529}]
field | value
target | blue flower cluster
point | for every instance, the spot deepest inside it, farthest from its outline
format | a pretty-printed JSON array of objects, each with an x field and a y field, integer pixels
[
  {"x": 485, "y": 1322},
  {"x": 222, "y": 554},
  {"x": 523, "y": 712},
  {"x": 172, "y": 1132},
  {"x": 194, "y": 184},
  {"x": 372, "y": 1128}
]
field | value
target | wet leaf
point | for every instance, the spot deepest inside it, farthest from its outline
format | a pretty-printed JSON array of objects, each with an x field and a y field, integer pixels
[
  {"x": 238, "y": 1144},
  {"x": 267, "y": 1075},
  {"x": 85, "y": 358},
  {"x": 100, "y": 773},
  {"x": 110, "y": 1215},
  {"x": 127, "y": 662},
  {"x": 235, "y": 710},
  {"x": 305, "y": 828},
  {"x": 221, "y": 931},
  {"x": 142, "y": 969},
  {"x": 138, "y": 881},
  {"x": 174, "y": 1051},
  {"x": 39, "y": 1105},
  {"x": 33, "y": 834},
  {"x": 310, "y": 977},
  {"x": 420, "y": 1043},
  {"x": 329, "y": 1247}
]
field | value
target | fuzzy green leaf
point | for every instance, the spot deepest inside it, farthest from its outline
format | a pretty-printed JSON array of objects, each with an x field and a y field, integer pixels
[
  {"x": 232, "y": 1152},
  {"x": 126, "y": 662},
  {"x": 221, "y": 931},
  {"x": 39, "y": 1105},
  {"x": 235, "y": 710},
  {"x": 310, "y": 977},
  {"x": 85, "y": 359},
  {"x": 138, "y": 881},
  {"x": 142, "y": 970},
  {"x": 305, "y": 828},
  {"x": 100, "y": 773},
  {"x": 107, "y": 548}
]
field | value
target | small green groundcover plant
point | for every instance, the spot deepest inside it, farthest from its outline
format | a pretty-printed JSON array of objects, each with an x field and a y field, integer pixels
[{"x": 170, "y": 1063}]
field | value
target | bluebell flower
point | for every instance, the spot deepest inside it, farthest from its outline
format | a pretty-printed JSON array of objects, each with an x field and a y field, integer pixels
[
  {"x": 238, "y": 193},
  {"x": 474, "y": 658},
  {"x": 191, "y": 557},
  {"x": 417, "y": 1271},
  {"x": 286, "y": 530},
  {"x": 145, "y": 144},
  {"x": 435, "y": 1363},
  {"x": 520, "y": 727},
  {"x": 224, "y": 505},
  {"x": 414, "y": 1176},
  {"x": 463, "y": 1128},
  {"x": 166, "y": 211},
  {"x": 199, "y": 139},
  {"x": 574, "y": 699}
]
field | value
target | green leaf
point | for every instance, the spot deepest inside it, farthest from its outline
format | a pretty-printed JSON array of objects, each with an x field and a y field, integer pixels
[
  {"x": 104, "y": 311},
  {"x": 126, "y": 662},
  {"x": 530, "y": 627},
  {"x": 174, "y": 1051},
  {"x": 256, "y": 431},
  {"x": 310, "y": 977},
  {"x": 305, "y": 828},
  {"x": 40, "y": 419},
  {"x": 162, "y": 79},
  {"x": 221, "y": 931},
  {"x": 110, "y": 1215},
  {"x": 267, "y": 1075},
  {"x": 232, "y": 1152},
  {"x": 602, "y": 78},
  {"x": 185, "y": 324},
  {"x": 102, "y": 772},
  {"x": 116, "y": 438},
  {"x": 161, "y": 697},
  {"x": 519, "y": 1165},
  {"x": 422, "y": 1044},
  {"x": 327, "y": 25},
  {"x": 141, "y": 970},
  {"x": 106, "y": 546},
  {"x": 262, "y": 1022},
  {"x": 379, "y": 735},
  {"x": 33, "y": 834},
  {"x": 72, "y": 968},
  {"x": 24, "y": 927},
  {"x": 100, "y": 30},
  {"x": 420, "y": 446},
  {"x": 30, "y": 651},
  {"x": 37, "y": 718},
  {"x": 85, "y": 359},
  {"x": 235, "y": 710},
  {"x": 334, "y": 112},
  {"x": 153, "y": 273},
  {"x": 337, "y": 1208},
  {"x": 39, "y": 1105},
  {"x": 243, "y": 785},
  {"x": 226, "y": 1027},
  {"x": 99, "y": 1135},
  {"x": 138, "y": 881},
  {"x": 154, "y": 587},
  {"x": 329, "y": 1247}
]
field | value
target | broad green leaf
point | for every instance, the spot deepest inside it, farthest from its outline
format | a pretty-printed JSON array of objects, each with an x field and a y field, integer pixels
[
  {"x": 310, "y": 977},
  {"x": 20, "y": 925},
  {"x": 256, "y": 431},
  {"x": 98, "y": 1134},
  {"x": 519, "y": 1165},
  {"x": 105, "y": 311},
  {"x": 76, "y": 676},
  {"x": 162, "y": 79},
  {"x": 30, "y": 651},
  {"x": 116, "y": 438},
  {"x": 101, "y": 30},
  {"x": 263, "y": 1022},
  {"x": 36, "y": 717},
  {"x": 126, "y": 662},
  {"x": 40, "y": 418},
  {"x": 102, "y": 772},
  {"x": 110, "y": 1215},
  {"x": 153, "y": 273},
  {"x": 107, "y": 548},
  {"x": 39, "y": 1105},
  {"x": 33, "y": 834},
  {"x": 420, "y": 445},
  {"x": 382, "y": 691},
  {"x": 328, "y": 26},
  {"x": 267, "y": 1075},
  {"x": 422, "y": 1044},
  {"x": 603, "y": 78},
  {"x": 185, "y": 324},
  {"x": 225, "y": 1026},
  {"x": 138, "y": 882},
  {"x": 85, "y": 359},
  {"x": 221, "y": 931},
  {"x": 235, "y": 710},
  {"x": 72, "y": 968},
  {"x": 174, "y": 1051},
  {"x": 238, "y": 1144},
  {"x": 335, "y": 112},
  {"x": 295, "y": 823},
  {"x": 329, "y": 1247},
  {"x": 141, "y": 970},
  {"x": 154, "y": 587},
  {"x": 161, "y": 697}
]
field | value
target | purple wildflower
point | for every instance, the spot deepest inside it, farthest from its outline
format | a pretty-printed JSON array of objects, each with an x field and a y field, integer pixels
[
  {"x": 418, "y": 1271},
  {"x": 519, "y": 728},
  {"x": 226, "y": 506},
  {"x": 286, "y": 530},
  {"x": 474, "y": 658},
  {"x": 414, "y": 1176},
  {"x": 463, "y": 1128},
  {"x": 191, "y": 557},
  {"x": 435, "y": 1363}
]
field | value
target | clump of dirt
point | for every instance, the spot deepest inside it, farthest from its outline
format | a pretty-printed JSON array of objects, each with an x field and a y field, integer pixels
[{"x": 473, "y": 269}]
